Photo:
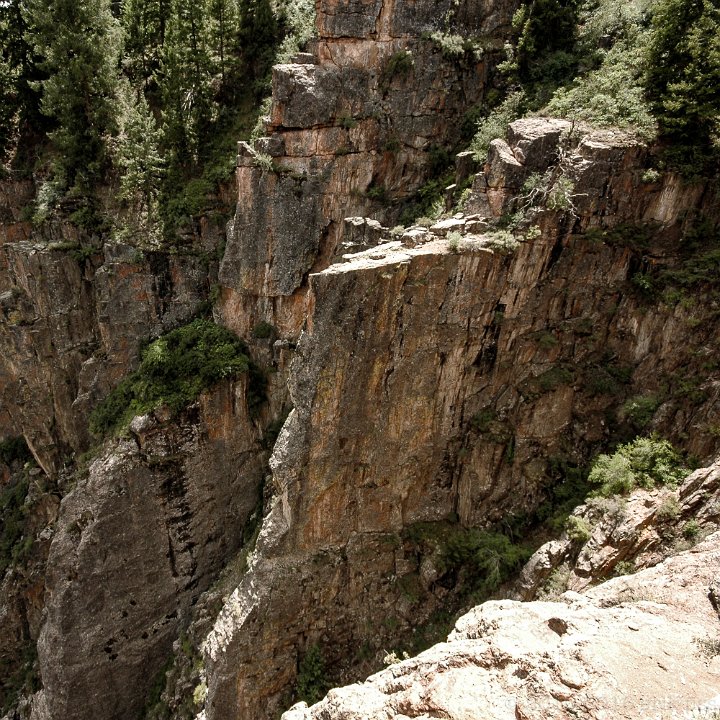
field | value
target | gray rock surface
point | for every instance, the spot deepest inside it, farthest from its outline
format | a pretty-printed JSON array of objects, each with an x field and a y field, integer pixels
[{"x": 630, "y": 648}]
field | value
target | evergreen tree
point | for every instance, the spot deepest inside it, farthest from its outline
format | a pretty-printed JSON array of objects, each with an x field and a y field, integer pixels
[
  {"x": 223, "y": 29},
  {"x": 683, "y": 75},
  {"x": 547, "y": 31},
  {"x": 185, "y": 78},
  {"x": 145, "y": 23},
  {"x": 140, "y": 162},
  {"x": 258, "y": 35},
  {"x": 79, "y": 43},
  {"x": 19, "y": 101}
]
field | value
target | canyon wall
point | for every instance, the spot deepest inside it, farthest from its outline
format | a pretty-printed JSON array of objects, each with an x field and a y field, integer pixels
[{"x": 439, "y": 374}]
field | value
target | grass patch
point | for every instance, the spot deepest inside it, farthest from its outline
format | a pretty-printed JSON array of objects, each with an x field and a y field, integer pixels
[{"x": 173, "y": 371}]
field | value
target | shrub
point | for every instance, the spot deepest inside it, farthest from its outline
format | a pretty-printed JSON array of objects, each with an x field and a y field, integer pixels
[
  {"x": 12, "y": 513},
  {"x": 14, "y": 449},
  {"x": 577, "y": 529},
  {"x": 173, "y": 371},
  {"x": 683, "y": 73},
  {"x": 644, "y": 462},
  {"x": 312, "y": 681},
  {"x": 494, "y": 125},
  {"x": 639, "y": 410},
  {"x": 263, "y": 330},
  {"x": 488, "y": 558},
  {"x": 398, "y": 65},
  {"x": 691, "y": 530}
]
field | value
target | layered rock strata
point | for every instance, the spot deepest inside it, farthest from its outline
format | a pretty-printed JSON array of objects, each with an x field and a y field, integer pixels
[
  {"x": 354, "y": 128},
  {"x": 436, "y": 380}
]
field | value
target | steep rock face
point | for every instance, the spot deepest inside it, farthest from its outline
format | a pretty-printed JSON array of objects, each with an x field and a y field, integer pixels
[
  {"x": 632, "y": 647},
  {"x": 435, "y": 384},
  {"x": 137, "y": 540},
  {"x": 353, "y": 126},
  {"x": 73, "y": 315}
]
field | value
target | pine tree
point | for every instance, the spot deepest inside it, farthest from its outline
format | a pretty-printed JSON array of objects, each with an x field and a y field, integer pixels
[
  {"x": 79, "y": 43},
  {"x": 683, "y": 75},
  {"x": 145, "y": 23},
  {"x": 223, "y": 28},
  {"x": 19, "y": 101},
  {"x": 185, "y": 79},
  {"x": 139, "y": 161}
]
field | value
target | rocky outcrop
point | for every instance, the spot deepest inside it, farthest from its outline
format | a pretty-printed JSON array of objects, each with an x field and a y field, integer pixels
[
  {"x": 138, "y": 539},
  {"x": 625, "y": 533},
  {"x": 354, "y": 128},
  {"x": 74, "y": 311},
  {"x": 439, "y": 375},
  {"x": 638, "y": 646}
]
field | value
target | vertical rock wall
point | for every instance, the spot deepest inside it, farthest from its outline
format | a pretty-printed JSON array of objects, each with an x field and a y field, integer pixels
[
  {"x": 353, "y": 129},
  {"x": 437, "y": 384},
  {"x": 139, "y": 538}
]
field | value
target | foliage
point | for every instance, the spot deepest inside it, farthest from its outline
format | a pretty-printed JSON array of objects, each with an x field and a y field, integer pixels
[
  {"x": 644, "y": 462},
  {"x": 173, "y": 371},
  {"x": 14, "y": 449},
  {"x": 577, "y": 529},
  {"x": 18, "y": 678},
  {"x": 398, "y": 65},
  {"x": 494, "y": 124},
  {"x": 312, "y": 683},
  {"x": 19, "y": 73},
  {"x": 80, "y": 88},
  {"x": 486, "y": 558},
  {"x": 263, "y": 330},
  {"x": 139, "y": 159},
  {"x": 609, "y": 56},
  {"x": 455, "y": 47},
  {"x": 682, "y": 78},
  {"x": 546, "y": 32},
  {"x": 12, "y": 512},
  {"x": 639, "y": 410}
]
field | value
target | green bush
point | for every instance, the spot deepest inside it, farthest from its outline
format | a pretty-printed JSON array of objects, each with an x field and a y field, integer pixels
[
  {"x": 639, "y": 410},
  {"x": 12, "y": 513},
  {"x": 683, "y": 74},
  {"x": 487, "y": 558},
  {"x": 577, "y": 529},
  {"x": 173, "y": 371},
  {"x": 14, "y": 449},
  {"x": 263, "y": 330},
  {"x": 494, "y": 125},
  {"x": 644, "y": 462},
  {"x": 312, "y": 683}
]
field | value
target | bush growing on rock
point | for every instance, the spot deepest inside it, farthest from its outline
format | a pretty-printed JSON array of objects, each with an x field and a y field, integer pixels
[
  {"x": 644, "y": 462},
  {"x": 174, "y": 370}
]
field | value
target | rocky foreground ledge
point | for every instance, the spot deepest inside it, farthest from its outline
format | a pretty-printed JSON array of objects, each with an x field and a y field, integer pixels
[{"x": 639, "y": 646}]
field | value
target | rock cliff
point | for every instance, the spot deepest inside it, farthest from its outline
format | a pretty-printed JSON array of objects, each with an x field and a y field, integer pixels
[
  {"x": 637, "y": 646},
  {"x": 441, "y": 377}
]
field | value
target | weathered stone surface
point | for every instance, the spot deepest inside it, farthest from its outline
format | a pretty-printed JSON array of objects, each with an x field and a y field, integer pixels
[
  {"x": 431, "y": 385},
  {"x": 627, "y": 649},
  {"x": 136, "y": 542},
  {"x": 356, "y": 130},
  {"x": 639, "y": 531},
  {"x": 71, "y": 328}
]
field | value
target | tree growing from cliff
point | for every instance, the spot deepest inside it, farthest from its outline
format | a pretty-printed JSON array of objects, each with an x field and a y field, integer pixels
[
  {"x": 683, "y": 76},
  {"x": 79, "y": 42}
]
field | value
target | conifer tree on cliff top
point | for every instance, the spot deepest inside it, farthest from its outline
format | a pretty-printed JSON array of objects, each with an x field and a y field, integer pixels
[
  {"x": 683, "y": 76},
  {"x": 79, "y": 43}
]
